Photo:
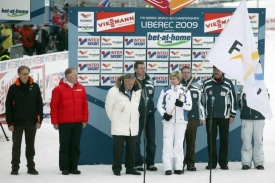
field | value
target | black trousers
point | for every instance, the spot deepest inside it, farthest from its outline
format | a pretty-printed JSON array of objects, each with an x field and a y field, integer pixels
[
  {"x": 223, "y": 125},
  {"x": 30, "y": 132},
  {"x": 190, "y": 139},
  {"x": 69, "y": 140},
  {"x": 40, "y": 50},
  {"x": 118, "y": 144},
  {"x": 150, "y": 140},
  {"x": 29, "y": 51}
]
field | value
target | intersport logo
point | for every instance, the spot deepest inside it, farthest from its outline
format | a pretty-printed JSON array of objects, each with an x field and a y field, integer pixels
[{"x": 169, "y": 7}]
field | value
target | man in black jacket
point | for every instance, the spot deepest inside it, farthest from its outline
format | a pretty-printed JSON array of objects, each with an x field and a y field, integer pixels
[
  {"x": 24, "y": 113},
  {"x": 252, "y": 127},
  {"x": 41, "y": 40},
  {"x": 147, "y": 92},
  {"x": 222, "y": 91},
  {"x": 62, "y": 38},
  {"x": 194, "y": 115}
]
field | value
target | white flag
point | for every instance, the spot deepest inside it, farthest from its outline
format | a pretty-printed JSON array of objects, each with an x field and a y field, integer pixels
[{"x": 235, "y": 53}]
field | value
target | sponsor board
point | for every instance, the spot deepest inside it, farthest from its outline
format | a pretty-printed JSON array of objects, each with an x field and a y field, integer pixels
[
  {"x": 158, "y": 54},
  {"x": 109, "y": 79},
  {"x": 88, "y": 54},
  {"x": 157, "y": 67},
  {"x": 15, "y": 10},
  {"x": 203, "y": 42},
  {"x": 168, "y": 40},
  {"x": 180, "y": 54},
  {"x": 86, "y": 21},
  {"x": 111, "y": 67},
  {"x": 135, "y": 54},
  {"x": 206, "y": 67},
  {"x": 254, "y": 21},
  {"x": 129, "y": 67},
  {"x": 112, "y": 54},
  {"x": 177, "y": 66},
  {"x": 199, "y": 54},
  {"x": 135, "y": 42},
  {"x": 88, "y": 41},
  {"x": 88, "y": 67},
  {"x": 88, "y": 79},
  {"x": 160, "y": 79},
  {"x": 115, "y": 22},
  {"x": 111, "y": 42},
  {"x": 200, "y": 78}
]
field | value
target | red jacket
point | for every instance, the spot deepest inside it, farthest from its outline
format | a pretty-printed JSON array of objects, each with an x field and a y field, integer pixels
[
  {"x": 28, "y": 36},
  {"x": 69, "y": 105}
]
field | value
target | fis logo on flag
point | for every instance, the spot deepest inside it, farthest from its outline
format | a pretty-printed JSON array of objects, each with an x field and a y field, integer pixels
[
  {"x": 111, "y": 41},
  {"x": 206, "y": 67},
  {"x": 88, "y": 54},
  {"x": 177, "y": 66},
  {"x": 180, "y": 54},
  {"x": 134, "y": 54},
  {"x": 129, "y": 67},
  {"x": 135, "y": 42},
  {"x": 88, "y": 67},
  {"x": 158, "y": 55},
  {"x": 160, "y": 79},
  {"x": 85, "y": 21},
  {"x": 88, "y": 41},
  {"x": 111, "y": 67},
  {"x": 203, "y": 42},
  {"x": 168, "y": 40},
  {"x": 111, "y": 54},
  {"x": 157, "y": 67},
  {"x": 88, "y": 79},
  {"x": 109, "y": 79},
  {"x": 115, "y": 22},
  {"x": 199, "y": 54}
]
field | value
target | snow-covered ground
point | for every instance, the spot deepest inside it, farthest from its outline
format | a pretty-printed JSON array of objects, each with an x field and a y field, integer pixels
[{"x": 47, "y": 155}]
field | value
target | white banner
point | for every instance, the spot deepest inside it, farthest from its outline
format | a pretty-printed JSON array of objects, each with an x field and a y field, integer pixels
[{"x": 15, "y": 10}]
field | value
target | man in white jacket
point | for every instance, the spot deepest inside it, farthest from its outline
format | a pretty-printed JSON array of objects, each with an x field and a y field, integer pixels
[
  {"x": 121, "y": 106},
  {"x": 174, "y": 125}
]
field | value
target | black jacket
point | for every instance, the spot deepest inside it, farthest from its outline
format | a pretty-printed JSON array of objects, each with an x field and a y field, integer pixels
[
  {"x": 148, "y": 90},
  {"x": 62, "y": 40},
  {"x": 44, "y": 39},
  {"x": 225, "y": 105},
  {"x": 197, "y": 111},
  {"x": 24, "y": 105},
  {"x": 246, "y": 112}
]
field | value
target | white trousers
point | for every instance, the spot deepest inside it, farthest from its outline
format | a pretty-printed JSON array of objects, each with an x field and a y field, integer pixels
[
  {"x": 252, "y": 129},
  {"x": 172, "y": 152}
]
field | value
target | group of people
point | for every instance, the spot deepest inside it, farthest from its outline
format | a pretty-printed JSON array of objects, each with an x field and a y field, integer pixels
[{"x": 130, "y": 107}]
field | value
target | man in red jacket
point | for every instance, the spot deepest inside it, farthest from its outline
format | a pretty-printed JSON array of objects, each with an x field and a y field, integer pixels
[{"x": 69, "y": 114}]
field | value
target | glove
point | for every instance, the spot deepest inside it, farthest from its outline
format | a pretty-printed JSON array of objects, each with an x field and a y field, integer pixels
[
  {"x": 167, "y": 117},
  {"x": 179, "y": 103}
]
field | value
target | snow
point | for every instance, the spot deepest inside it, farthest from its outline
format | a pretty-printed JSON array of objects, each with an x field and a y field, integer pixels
[{"x": 47, "y": 147}]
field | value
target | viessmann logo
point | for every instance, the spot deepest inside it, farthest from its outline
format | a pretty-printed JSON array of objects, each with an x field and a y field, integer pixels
[
  {"x": 15, "y": 12},
  {"x": 169, "y": 7},
  {"x": 215, "y": 22}
]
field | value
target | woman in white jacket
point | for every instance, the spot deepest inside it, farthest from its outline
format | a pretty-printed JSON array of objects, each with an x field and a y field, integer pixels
[
  {"x": 121, "y": 106},
  {"x": 174, "y": 125}
]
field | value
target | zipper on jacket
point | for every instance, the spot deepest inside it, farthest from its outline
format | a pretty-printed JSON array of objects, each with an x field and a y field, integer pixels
[{"x": 73, "y": 103}]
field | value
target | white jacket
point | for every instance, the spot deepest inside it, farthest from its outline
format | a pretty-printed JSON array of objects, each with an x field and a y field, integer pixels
[
  {"x": 167, "y": 100},
  {"x": 123, "y": 112}
]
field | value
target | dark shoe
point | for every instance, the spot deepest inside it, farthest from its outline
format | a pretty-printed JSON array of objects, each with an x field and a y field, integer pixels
[
  {"x": 14, "y": 172},
  {"x": 133, "y": 172},
  {"x": 224, "y": 167},
  {"x": 168, "y": 172},
  {"x": 32, "y": 171},
  {"x": 260, "y": 167},
  {"x": 152, "y": 168},
  {"x": 76, "y": 172},
  {"x": 208, "y": 167},
  {"x": 139, "y": 168},
  {"x": 178, "y": 172},
  {"x": 117, "y": 173},
  {"x": 65, "y": 172},
  {"x": 191, "y": 168},
  {"x": 245, "y": 167}
]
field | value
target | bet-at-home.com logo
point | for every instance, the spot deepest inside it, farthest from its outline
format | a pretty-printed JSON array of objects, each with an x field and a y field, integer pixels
[{"x": 14, "y": 12}]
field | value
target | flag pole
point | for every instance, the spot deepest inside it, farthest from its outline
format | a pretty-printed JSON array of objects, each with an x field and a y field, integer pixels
[{"x": 186, "y": 88}]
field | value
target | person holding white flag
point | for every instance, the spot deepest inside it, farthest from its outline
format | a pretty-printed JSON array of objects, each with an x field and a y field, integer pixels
[{"x": 241, "y": 61}]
